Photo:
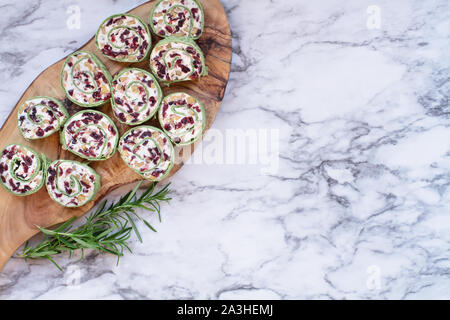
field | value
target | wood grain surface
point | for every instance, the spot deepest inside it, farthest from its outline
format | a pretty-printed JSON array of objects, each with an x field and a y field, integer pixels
[{"x": 20, "y": 215}]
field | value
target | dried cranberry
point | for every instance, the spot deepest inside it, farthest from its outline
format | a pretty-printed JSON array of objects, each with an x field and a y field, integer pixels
[
  {"x": 95, "y": 135},
  {"x": 28, "y": 160},
  {"x": 122, "y": 117},
  {"x": 165, "y": 107},
  {"x": 190, "y": 50},
  {"x": 52, "y": 104},
  {"x": 33, "y": 115},
  {"x": 40, "y": 132},
  {"x": 52, "y": 171},
  {"x": 96, "y": 95},
  {"x": 51, "y": 179},
  {"x": 156, "y": 173},
  {"x": 12, "y": 183},
  {"x": 98, "y": 75},
  {"x": 135, "y": 115},
  {"x": 185, "y": 69}
]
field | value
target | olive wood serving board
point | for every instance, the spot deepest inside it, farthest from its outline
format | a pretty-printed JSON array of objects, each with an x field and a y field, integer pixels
[{"x": 19, "y": 216}]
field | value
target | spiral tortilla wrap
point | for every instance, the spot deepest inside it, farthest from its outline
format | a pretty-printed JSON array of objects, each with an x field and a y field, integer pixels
[
  {"x": 177, "y": 59},
  {"x": 124, "y": 38},
  {"x": 22, "y": 170},
  {"x": 85, "y": 80},
  {"x": 181, "y": 18},
  {"x": 148, "y": 151},
  {"x": 182, "y": 117},
  {"x": 71, "y": 183},
  {"x": 41, "y": 116},
  {"x": 136, "y": 96},
  {"x": 90, "y": 135}
]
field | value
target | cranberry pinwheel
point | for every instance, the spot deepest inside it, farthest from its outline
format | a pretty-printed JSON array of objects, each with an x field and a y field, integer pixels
[
  {"x": 85, "y": 80},
  {"x": 182, "y": 117},
  {"x": 22, "y": 170},
  {"x": 39, "y": 117},
  {"x": 136, "y": 96},
  {"x": 181, "y": 18},
  {"x": 177, "y": 59},
  {"x": 90, "y": 135},
  {"x": 124, "y": 38},
  {"x": 71, "y": 183},
  {"x": 148, "y": 151}
]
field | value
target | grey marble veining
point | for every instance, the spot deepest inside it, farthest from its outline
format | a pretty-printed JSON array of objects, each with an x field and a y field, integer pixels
[{"x": 359, "y": 206}]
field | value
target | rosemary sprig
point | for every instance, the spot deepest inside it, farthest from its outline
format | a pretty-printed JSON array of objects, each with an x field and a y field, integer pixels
[{"x": 106, "y": 229}]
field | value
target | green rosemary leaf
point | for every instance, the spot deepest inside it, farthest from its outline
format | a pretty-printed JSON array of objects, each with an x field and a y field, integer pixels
[
  {"x": 133, "y": 225},
  {"x": 53, "y": 261},
  {"x": 149, "y": 225}
]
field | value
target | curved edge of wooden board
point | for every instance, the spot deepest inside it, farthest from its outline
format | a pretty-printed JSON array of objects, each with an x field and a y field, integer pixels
[{"x": 18, "y": 226}]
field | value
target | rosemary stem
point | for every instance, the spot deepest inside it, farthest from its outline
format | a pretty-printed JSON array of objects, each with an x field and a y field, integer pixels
[{"x": 106, "y": 229}]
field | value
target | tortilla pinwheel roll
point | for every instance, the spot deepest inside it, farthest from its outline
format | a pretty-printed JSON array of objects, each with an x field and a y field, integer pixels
[
  {"x": 136, "y": 96},
  {"x": 124, "y": 38},
  {"x": 85, "y": 80},
  {"x": 39, "y": 117},
  {"x": 177, "y": 59},
  {"x": 71, "y": 183},
  {"x": 182, "y": 117},
  {"x": 181, "y": 18},
  {"x": 22, "y": 170},
  {"x": 90, "y": 135},
  {"x": 148, "y": 151}
]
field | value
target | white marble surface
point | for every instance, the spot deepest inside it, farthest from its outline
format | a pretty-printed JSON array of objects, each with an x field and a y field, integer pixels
[{"x": 361, "y": 193}]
